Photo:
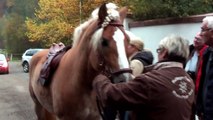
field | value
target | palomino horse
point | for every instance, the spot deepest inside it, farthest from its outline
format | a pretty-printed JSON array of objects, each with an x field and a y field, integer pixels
[{"x": 99, "y": 47}]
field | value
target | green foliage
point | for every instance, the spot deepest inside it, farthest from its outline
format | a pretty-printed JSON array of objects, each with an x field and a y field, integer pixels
[
  {"x": 152, "y": 9},
  {"x": 56, "y": 19},
  {"x": 14, "y": 34},
  {"x": 36, "y": 23},
  {"x": 13, "y": 28}
]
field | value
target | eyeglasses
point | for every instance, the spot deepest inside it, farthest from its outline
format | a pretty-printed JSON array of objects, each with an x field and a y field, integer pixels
[
  {"x": 159, "y": 50},
  {"x": 205, "y": 29}
]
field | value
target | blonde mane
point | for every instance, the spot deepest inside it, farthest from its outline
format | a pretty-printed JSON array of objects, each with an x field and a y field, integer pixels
[{"x": 79, "y": 30}]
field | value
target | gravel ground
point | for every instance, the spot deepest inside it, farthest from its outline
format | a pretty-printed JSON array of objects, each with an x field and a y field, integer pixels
[{"x": 15, "y": 101}]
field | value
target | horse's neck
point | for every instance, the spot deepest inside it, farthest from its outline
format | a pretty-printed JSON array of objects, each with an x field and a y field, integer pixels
[{"x": 81, "y": 70}]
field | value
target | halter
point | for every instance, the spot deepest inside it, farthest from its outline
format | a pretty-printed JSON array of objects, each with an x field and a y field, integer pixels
[
  {"x": 111, "y": 75},
  {"x": 106, "y": 70},
  {"x": 119, "y": 26}
]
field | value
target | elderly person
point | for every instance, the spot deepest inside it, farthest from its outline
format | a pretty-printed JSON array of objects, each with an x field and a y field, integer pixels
[
  {"x": 195, "y": 61},
  {"x": 164, "y": 92},
  {"x": 205, "y": 91},
  {"x": 138, "y": 56}
]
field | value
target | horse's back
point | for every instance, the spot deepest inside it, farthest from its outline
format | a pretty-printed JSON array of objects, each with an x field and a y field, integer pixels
[
  {"x": 37, "y": 61},
  {"x": 38, "y": 92}
]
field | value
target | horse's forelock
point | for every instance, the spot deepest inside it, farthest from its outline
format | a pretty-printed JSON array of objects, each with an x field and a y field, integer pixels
[{"x": 96, "y": 37}]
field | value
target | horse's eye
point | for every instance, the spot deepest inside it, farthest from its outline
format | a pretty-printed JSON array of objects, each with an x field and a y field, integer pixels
[{"x": 105, "y": 42}]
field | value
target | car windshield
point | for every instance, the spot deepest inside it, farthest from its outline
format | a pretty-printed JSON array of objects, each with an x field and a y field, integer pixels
[
  {"x": 32, "y": 52},
  {"x": 2, "y": 57}
]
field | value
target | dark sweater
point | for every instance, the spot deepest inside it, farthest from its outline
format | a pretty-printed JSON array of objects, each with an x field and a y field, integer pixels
[{"x": 146, "y": 57}]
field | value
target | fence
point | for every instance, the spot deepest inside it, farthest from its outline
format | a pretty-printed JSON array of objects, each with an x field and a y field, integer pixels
[{"x": 13, "y": 57}]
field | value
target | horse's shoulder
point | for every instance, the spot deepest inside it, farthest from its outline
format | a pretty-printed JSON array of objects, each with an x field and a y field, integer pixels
[{"x": 41, "y": 53}]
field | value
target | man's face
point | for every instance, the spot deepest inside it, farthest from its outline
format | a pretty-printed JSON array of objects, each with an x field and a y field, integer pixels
[
  {"x": 207, "y": 34},
  {"x": 198, "y": 42},
  {"x": 131, "y": 49}
]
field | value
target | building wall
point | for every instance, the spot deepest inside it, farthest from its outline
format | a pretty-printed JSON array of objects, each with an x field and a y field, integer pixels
[
  {"x": 153, "y": 31},
  {"x": 151, "y": 35}
]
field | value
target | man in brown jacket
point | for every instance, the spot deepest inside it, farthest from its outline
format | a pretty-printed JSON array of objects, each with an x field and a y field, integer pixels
[{"x": 164, "y": 92}]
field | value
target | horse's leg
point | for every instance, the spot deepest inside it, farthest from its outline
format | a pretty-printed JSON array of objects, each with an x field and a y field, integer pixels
[
  {"x": 45, "y": 115},
  {"x": 38, "y": 107},
  {"x": 42, "y": 113},
  {"x": 49, "y": 116}
]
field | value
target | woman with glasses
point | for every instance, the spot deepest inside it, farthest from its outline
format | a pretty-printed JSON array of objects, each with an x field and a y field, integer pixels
[{"x": 164, "y": 92}]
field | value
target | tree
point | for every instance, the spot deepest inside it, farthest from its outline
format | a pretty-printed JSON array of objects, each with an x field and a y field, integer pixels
[
  {"x": 51, "y": 21},
  {"x": 56, "y": 19},
  {"x": 13, "y": 27},
  {"x": 152, "y": 9}
]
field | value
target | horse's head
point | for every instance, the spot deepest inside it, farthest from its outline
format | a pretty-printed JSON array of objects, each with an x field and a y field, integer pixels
[{"x": 108, "y": 39}]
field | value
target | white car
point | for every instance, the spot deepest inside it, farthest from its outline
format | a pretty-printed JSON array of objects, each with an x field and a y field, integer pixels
[{"x": 26, "y": 57}]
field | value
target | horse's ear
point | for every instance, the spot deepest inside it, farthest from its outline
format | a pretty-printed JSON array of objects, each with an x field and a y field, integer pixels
[
  {"x": 123, "y": 13},
  {"x": 102, "y": 13}
]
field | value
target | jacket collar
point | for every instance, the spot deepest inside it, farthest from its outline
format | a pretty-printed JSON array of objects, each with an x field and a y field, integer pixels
[{"x": 161, "y": 65}]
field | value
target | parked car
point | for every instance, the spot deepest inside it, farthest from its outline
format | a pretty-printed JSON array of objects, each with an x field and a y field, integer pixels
[
  {"x": 4, "y": 65},
  {"x": 26, "y": 57}
]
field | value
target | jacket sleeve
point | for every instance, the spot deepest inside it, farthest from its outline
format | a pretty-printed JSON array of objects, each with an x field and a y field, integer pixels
[{"x": 127, "y": 95}]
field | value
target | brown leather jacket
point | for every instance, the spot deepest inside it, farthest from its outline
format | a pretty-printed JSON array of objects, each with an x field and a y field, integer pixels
[{"x": 164, "y": 93}]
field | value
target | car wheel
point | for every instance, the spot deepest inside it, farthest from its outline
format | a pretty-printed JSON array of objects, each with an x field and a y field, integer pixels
[{"x": 26, "y": 67}]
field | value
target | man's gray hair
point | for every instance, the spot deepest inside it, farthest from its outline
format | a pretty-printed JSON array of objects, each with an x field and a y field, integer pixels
[
  {"x": 176, "y": 45},
  {"x": 209, "y": 21}
]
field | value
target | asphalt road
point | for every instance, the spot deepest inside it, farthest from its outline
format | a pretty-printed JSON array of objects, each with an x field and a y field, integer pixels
[{"x": 15, "y": 101}]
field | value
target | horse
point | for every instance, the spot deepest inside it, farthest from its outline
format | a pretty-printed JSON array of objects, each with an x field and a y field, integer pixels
[{"x": 99, "y": 46}]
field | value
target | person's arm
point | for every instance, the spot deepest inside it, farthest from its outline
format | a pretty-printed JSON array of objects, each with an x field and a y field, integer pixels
[
  {"x": 137, "y": 67},
  {"x": 128, "y": 95}
]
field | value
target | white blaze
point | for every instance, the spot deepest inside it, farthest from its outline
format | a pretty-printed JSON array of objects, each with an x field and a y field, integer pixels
[{"x": 122, "y": 58}]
